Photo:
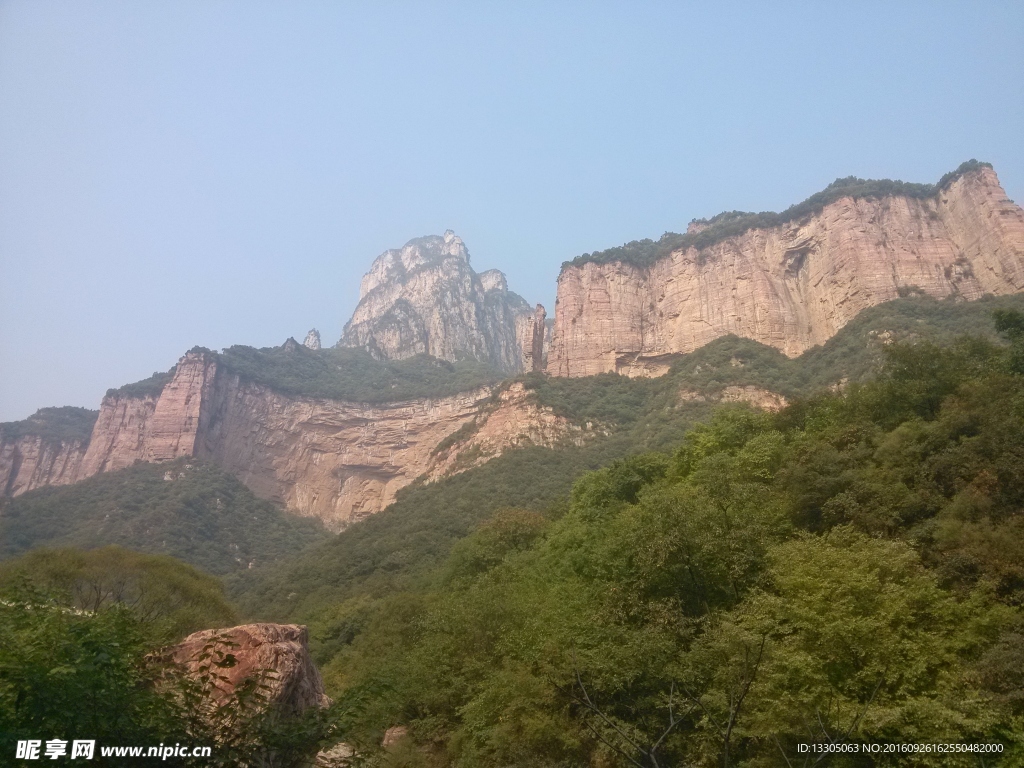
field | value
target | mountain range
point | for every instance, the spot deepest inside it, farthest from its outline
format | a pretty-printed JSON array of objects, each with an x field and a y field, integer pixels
[{"x": 414, "y": 388}]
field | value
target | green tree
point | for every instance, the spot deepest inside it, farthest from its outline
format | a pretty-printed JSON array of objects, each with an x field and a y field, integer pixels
[{"x": 171, "y": 599}]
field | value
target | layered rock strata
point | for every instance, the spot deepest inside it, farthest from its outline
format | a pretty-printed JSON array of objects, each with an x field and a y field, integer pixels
[
  {"x": 792, "y": 286},
  {"x": 425, "y": 298}
]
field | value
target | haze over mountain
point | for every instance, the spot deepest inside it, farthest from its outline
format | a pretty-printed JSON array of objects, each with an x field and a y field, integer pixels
[
  {"x": 274, "y": 150},
  {"x": 414, "y": 389}
]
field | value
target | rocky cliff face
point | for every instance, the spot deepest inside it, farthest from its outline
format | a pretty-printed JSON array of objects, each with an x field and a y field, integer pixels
[
  {"x": 152, "y": 428},
  {"x": 31, "y": 461},
  {"x": 513, "y": 421},
  {"x": 329, "y": 459},
  {"x": 312, "y": 340},
  {"x": 792, "y": 286},
  {"x": 426, "y": 298},
  {"x": 333, "y": 460},
  {"x": 47, "y": 448}
]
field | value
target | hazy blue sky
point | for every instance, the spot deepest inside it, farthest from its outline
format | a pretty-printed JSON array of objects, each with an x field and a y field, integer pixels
[{"x": 217, "y": 173}]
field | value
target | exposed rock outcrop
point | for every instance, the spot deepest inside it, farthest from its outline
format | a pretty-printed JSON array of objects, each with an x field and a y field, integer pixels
[
  {"x": 425, "y": 298},
  {"x": 329, "y": 459},
  {"x": 31, "y": 462},
  {"x": 535, "y": 336},
  {"x": 152, "y": 428},
  {"x": 791, "y": 286},
  {"x": 514, "y": 421},
  {"x": 761, "y": 398},
  {"x": 333, "y": 460},
  {"x": 278, "y": 654},
  {"x": 312, "y": 339},
  {"x": 47, "y": 448}
]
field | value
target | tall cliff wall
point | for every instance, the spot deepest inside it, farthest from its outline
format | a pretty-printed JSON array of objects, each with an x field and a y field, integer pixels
[
  {"x": 47, "y": 448},
  {"x": 152, "y": 428},
  {"x": 329, "y": 459},
  {"x": 791, "y": 286},
  {"x": 425, "y": 298},
  {"x": 31, "y": 462}
]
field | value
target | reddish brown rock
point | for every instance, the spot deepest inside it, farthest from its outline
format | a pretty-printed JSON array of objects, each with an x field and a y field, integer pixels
[
  {"x": 278, "y": 654},
  {"x": 31, "y": 461},
  {"x": 792, "y": 286},
  {"x": 152, "y": 428}
]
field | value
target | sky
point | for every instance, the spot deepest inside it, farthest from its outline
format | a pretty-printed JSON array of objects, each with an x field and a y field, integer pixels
[{"x": 218, "y": 173}]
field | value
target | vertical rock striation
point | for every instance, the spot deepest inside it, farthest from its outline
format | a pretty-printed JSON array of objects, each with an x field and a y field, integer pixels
[
  {"x": 425, "y": 298},
  {"x": 31, "y": 462},
  {"x": 792, "y": 286},
  {"x": 131, "y": 429},
  {"x": 47, "y": 448}
]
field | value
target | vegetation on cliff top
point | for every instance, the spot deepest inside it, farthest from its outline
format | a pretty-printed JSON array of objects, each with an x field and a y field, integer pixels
[
  {"x": 644, "y": 253},
  {"x": 336, "y": 373},
  {"x": 353, "y": 374},
  {"x": 849, "y": 570},
  {"x": 151, "y": 387},
  {"x": 186, "y": 508},
  {"x": 66, "y": 424}
]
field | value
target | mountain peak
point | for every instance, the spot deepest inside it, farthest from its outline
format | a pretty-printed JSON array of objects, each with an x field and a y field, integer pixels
[{"x": 425, "y": 298}]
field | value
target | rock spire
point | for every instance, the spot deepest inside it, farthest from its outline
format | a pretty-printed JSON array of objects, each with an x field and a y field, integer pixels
[{"x": 312, "y": 339}]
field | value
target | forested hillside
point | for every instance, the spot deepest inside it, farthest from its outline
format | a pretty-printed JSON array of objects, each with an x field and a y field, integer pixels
[
  {"x": 398, "y": 545},
  {"x": 186, "y": 508},
  {"x": 849, "y": 569},
  {"x": 703, "y": 584}
]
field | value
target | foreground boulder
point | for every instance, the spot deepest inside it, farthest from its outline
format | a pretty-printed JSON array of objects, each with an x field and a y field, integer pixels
[{"x": 277, "y": 653}]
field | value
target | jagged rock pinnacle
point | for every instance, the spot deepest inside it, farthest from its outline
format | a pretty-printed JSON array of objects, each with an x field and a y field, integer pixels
[
  {"x": 425, "y": 298},
  {"x": 312, "y": 339}
]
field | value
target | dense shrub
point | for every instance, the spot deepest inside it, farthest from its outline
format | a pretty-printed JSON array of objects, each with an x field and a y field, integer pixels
[
  {"x": 61, "y": 425},
  {"x": 151, "y": 387},
  {"x": 186, "y": 508}
]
